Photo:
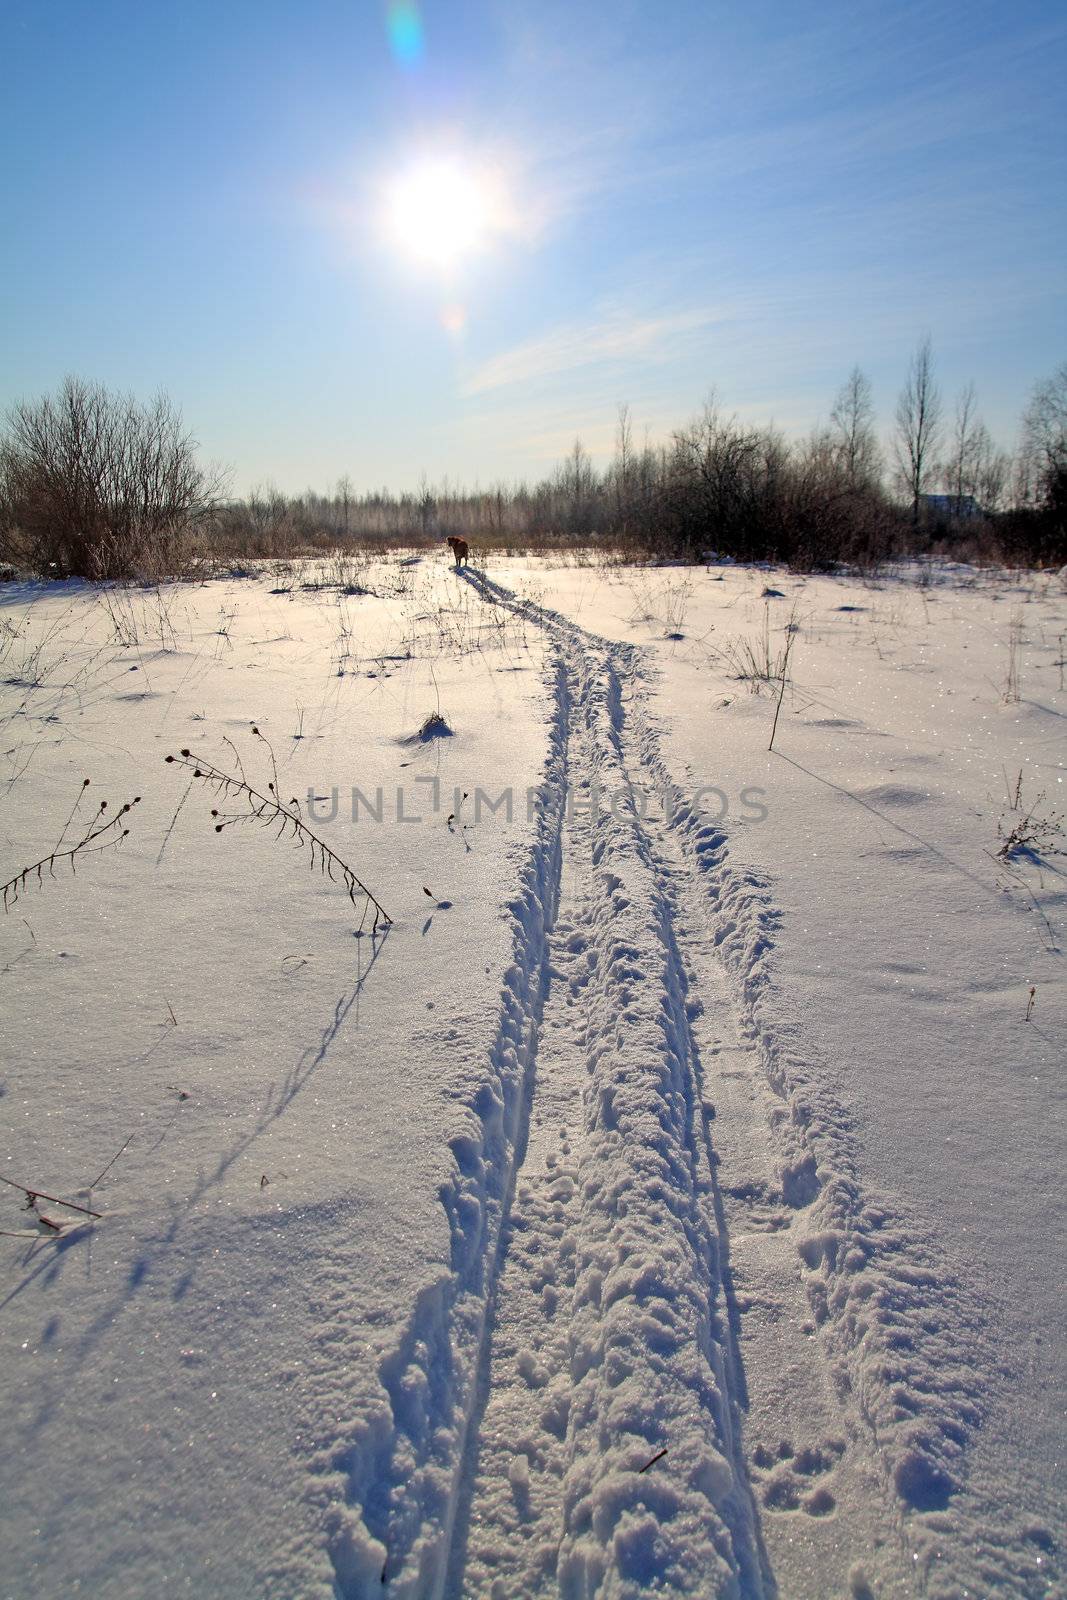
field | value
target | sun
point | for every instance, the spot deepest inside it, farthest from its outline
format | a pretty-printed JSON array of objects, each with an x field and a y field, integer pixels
[{"x": 440, "y": 212}]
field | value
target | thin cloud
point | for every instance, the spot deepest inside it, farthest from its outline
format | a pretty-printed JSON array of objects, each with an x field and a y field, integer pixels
[{"x": 572, "y": 347}]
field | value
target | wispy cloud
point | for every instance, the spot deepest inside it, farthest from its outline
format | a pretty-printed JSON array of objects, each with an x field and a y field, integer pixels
[{"x": 617, "y": 338}]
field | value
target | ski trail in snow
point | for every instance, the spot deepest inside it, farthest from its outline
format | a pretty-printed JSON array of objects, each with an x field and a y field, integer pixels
[
  {"x": 658, "y": 1237},
  {"x": 516, "y": 1456},
  {"x": 882, "y": 1400},
  {"x": 606, "y": 1455},
  {"x": 606, "y": 1349}
]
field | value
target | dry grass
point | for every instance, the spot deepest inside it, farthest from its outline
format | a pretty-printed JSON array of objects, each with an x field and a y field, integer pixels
[
  {"x": 1029, "y": 827},
  {"x": 761, "y": 659}
]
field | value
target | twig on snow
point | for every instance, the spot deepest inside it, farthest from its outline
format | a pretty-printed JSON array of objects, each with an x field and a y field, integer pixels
[{"x": 39, "y": 1194}]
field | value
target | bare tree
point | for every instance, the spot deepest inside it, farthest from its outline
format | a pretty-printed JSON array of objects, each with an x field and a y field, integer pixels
[
  {"x": 428, "y": 506},
  {"x": 993, "y": 471},
  {"x": 344, "y": 495},
  {"x": 577, "y": 482},
  {"x": 725, "y": 483},
  {"x": 969, "y": 443},
  {"x": 918, "y": 426},
  {"x": 97, "y": 485},
  {"x": 623, "y": 469},
  {"x": 1044, "y": 449},
  {"x": 852, "y": 426}
]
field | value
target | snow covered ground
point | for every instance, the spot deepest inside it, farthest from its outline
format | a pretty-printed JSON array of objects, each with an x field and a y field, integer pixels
[{"x": 668, "y": 1199}]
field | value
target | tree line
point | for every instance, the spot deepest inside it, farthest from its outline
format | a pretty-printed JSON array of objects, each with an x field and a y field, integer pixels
[{"x": 95, "y": 484}]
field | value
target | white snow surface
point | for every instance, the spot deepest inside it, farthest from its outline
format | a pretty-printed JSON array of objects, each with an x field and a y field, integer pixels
[{"x": 668, "y": 1200}]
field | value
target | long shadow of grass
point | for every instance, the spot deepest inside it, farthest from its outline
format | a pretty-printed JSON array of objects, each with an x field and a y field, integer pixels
[{"x": 280, "y": 1097}]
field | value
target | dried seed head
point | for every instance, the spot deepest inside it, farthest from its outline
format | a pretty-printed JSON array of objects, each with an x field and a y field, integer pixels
[
  {"x": 85, "y": 783},
  {"x": 166, "y": 758},
  {"x": 219, "y": 827}
]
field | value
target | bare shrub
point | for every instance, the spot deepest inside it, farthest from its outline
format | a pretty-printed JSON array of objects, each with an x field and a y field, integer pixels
[{"x": 95, "y": 485}]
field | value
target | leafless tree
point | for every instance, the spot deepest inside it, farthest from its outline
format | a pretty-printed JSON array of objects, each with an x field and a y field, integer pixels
[
  {"x": 992, "y": 473},
  {"x": 852, "y": 427},
  {"x": 578, "y": 484},
  {"x": 969, "y": 440},
  {"x": 1044, "y": 449},
  {"x": 918, "y": 426},
  {"x": 428, "y": 506},
  {"x": 97, "y": 485},
  {"x": 726, "y": 484},
  {"x": 622, "y": 472},
  {"x": 344, "y": 495}
]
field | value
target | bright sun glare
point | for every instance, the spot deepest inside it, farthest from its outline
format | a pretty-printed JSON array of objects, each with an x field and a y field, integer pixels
[{"x": 439, "y": 213}]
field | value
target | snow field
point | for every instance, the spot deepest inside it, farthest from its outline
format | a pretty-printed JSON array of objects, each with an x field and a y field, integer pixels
[
  {"x": 195, "y": 1384},
  {"x": 667, "y": 1203},
  {"x": 881, "y": 963}
]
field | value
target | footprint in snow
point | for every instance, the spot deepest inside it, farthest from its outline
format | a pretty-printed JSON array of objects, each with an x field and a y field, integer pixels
[{"x": 786, "y": 1478}]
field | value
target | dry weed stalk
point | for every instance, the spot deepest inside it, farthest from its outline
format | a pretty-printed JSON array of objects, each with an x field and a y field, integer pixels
[
  {"x": 1015, "y": 643},
  {"x": 267, "y": 811},
  {"x": 791, "y": 633},
  {"x": 101, "y": 834},
  {"x": 33, "y": 1195}
]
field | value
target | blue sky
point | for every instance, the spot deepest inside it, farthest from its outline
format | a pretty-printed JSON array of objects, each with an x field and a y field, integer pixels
[{"x": 684, "y": 197}]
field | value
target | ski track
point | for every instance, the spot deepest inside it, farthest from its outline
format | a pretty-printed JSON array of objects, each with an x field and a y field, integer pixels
[{"x": 658, "y": 1235}]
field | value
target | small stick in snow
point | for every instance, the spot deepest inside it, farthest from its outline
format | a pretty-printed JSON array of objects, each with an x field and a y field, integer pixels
[
  {"x": 657, "y": 1457},
  {"x": 39, "y": 1194},
  {"x": 790, "y": 635},
  {"x": 110, "y": 1164},
  {"x": 1030, "y": 1003}
]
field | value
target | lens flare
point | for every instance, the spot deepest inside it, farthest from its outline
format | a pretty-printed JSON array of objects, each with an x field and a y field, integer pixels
[
  {"x": 454, "y": 319},
  {"x": 404, "y": 25}
]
